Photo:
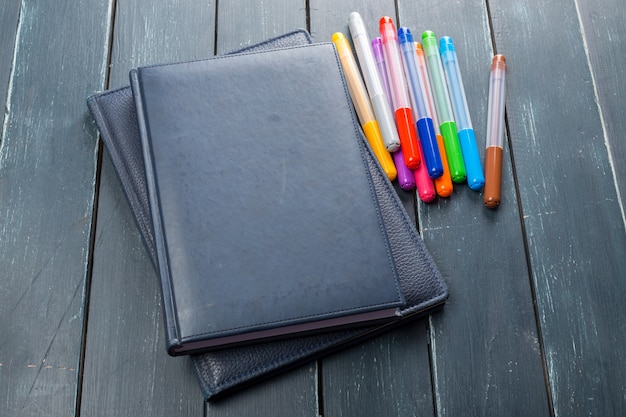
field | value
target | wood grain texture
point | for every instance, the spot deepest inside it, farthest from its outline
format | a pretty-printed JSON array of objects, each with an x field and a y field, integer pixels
[
  {"x": 575, "y": 232},
  {"x": 604, "y": 41},
  {"x": 485, "y": 346},
  {"x": 241, "y": 23},
  {"x": 328, "y": 17},
  {"x": 9, "y": 16},
  {"x": 388, "y": 375},
  {"x": 159, "y": 32},
  {"x": 47, "y": 187},
  {"x": 127, "y": 370}
]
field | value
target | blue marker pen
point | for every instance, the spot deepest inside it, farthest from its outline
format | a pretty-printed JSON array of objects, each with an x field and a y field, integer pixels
[
  {"x": 425, "y": 127},
  {"x": 467, "y": 138}
]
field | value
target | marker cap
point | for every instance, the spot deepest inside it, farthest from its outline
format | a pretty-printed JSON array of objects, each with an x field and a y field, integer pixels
[
  {"x": 446, "y": 44},
  {"x": 387, "y": 29},
  {"x": 498, "y": 62},
  {"x": 404, "y": 35},
  {"x": 429, "y": 40},
  {"x": 377, "y": 49},
  {"x": 418, "y": 49},
  {"x": 338, "y": 35}
]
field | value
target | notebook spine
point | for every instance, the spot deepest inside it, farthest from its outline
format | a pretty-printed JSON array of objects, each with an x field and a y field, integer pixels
[{"x": 172, "y": 335}]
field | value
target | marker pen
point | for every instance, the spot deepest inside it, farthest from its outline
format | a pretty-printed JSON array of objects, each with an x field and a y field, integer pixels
[
  {"x": 423, "y": 182},
  {"x": 406, "y": 178},
  {"x": 443, "y": 184},
  {"x": 444, "y": 110},
  {"x": 495, "y": 132},
  {"x": 378, "y": 97},
  {"x": 362, "y": 104},
  {"x": 399, "y": 95},
  {"x": 421, "y": 112},
  {"x": 467, "y": 138}
]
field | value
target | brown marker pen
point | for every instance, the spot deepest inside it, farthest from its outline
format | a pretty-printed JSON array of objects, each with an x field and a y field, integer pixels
[{"x": 495, "y": 132}]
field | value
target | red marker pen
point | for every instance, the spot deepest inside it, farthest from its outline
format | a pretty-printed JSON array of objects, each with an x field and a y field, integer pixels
[{"x": 399, "y": 94}]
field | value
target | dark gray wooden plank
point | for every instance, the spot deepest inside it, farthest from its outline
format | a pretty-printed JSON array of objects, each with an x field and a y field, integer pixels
[
  {"x": 385, "y": 376},
  {"x": 241, "y": 23},
  {"x": 9, "y": 15},
  {"x": 575, "y": 232},
  {"x": 605, "y": 40},
  {"x": 159, "y": 32},
  {"x": 328, "y": 17},
  {"x": 390, "y": 374},
  {"x": 127, "y": 370},
  {"x": 47, "y": 183},
  {"x": 485, "y": 345}
]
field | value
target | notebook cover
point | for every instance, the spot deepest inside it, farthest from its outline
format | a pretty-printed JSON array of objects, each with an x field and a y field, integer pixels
[
  {"x": 116, "y": 118},
  {"x": 225, "y": 371},
  {"x": 265, "y": 216}
]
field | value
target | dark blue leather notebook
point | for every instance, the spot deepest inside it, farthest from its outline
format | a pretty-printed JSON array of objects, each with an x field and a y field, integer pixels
[
  {"x": 223, "y": 371},
  {"x": 265, "y": 215}
]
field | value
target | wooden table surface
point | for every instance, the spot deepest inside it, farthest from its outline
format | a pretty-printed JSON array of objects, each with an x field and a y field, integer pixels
[{"x": 536, "y": 320}]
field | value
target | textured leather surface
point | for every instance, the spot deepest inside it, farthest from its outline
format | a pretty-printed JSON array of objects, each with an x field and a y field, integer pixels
[
  {"x": 266, "y": 203},
  {"x": 222, "y": 372}
]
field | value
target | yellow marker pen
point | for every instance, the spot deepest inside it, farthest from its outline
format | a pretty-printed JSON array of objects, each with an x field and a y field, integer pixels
[{"x": 363, "y": 106}]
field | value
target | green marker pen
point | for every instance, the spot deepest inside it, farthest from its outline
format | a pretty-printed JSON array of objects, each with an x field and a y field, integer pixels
[{"x": 444, "y": 109}]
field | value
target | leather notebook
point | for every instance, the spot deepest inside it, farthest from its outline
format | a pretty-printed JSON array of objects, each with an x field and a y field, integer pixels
[
  {"x": 265, "y": 216},
  {"x": 223, "y": 371}
]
